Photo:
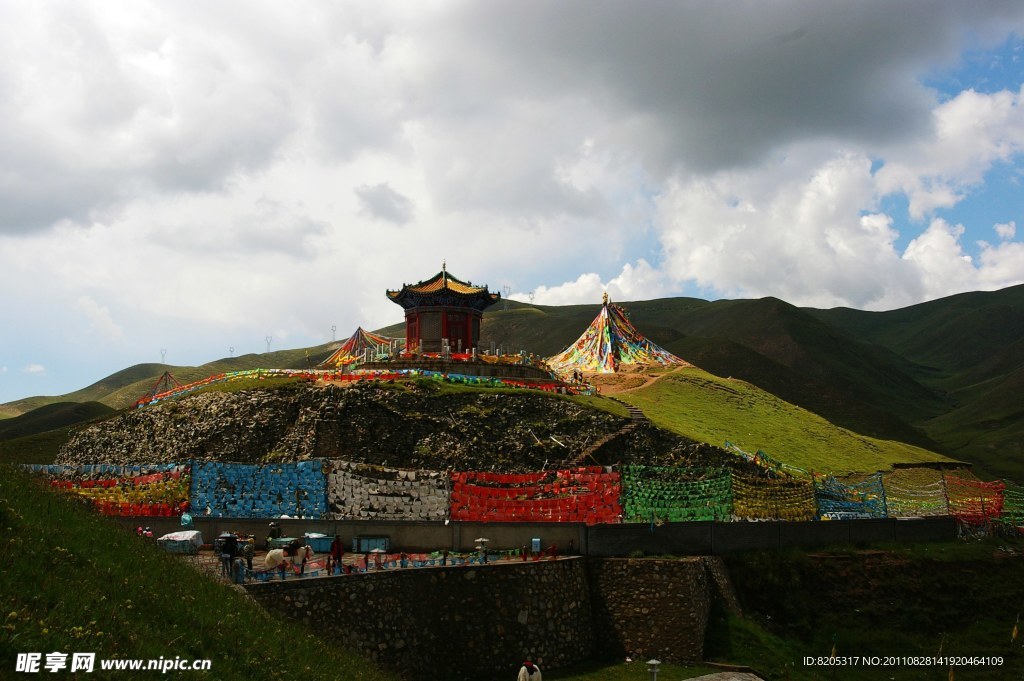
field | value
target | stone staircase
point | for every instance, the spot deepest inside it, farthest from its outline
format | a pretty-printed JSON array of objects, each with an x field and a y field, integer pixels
[{"x": 636, "y": 419}]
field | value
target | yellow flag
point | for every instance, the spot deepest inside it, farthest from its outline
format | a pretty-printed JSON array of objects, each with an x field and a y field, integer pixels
[
  {"x": 950, "y": 674},
  {"x": 1013, "y": 636}
]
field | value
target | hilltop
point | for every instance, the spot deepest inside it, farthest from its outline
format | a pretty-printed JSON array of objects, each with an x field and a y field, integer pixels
[
  {"x": 942, "y": 376},
  {"x": 416, "y": 424}
]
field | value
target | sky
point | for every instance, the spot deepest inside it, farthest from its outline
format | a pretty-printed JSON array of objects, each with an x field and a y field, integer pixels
[{"x": 183, "y": 180}]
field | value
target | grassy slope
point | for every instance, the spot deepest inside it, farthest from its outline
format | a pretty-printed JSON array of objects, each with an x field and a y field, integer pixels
[
  {"x": 121, "y": 389},
  {"x": 723, "y": 357},
  {"x": 772, "y": 344},
  {"x": 990, "y": 429},
  {"x": 87, "y": 585},
  {"x": 970, "y": 346},
  {"x": 51, "y": 416},
  {"x": 38, "y": 448},
  {"x": 908, "y": 600},
  {"x": 704, "y": 407},
  {"x": 948, "y": 336}
]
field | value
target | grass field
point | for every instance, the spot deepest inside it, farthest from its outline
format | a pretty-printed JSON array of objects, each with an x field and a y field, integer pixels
[
  {"x": 711, "y": 409},
  {"x": 83, "y": 584}
]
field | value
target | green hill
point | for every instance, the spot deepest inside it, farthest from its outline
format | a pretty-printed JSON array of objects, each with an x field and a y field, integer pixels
[
  {"x": 123, "y": 388},
  {"x": 940, "y": 375},
  {"x": 84, "y": 584},
  {"x": 704, "y": 407},
  {"x": 50, "y": 417}
]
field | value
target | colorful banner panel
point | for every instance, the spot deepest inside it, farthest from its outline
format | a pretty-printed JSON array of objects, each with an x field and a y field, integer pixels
[
  {"x": 159, "y": 490},
  {"x": 974, "y": 502},
  {"x": 761, "y": 498},
  {"x": 235, "y": 490},
  {"x": 358, "y": 491},
  {"x": 578, "y": 495},
  {"x": 915, "y": 493},
  {"x": 653, "y": 493},
  {"x": 848, "y": 500}
]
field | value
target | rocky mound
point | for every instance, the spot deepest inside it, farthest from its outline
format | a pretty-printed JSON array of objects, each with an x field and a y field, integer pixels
[{"x": 401, "y": 425}]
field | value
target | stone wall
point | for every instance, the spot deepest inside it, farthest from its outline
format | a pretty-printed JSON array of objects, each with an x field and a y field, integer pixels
[
  {"x": 648, "y": 608},
  {"x": 454, "y": 623}
]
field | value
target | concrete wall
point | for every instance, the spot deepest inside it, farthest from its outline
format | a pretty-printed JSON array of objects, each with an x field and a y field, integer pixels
[
  {"x": 709, "y": 538},
  {"x": 405, "y": 535},
  {"x": 698, "y": 538},
  {"x": 452, "y": 623}
]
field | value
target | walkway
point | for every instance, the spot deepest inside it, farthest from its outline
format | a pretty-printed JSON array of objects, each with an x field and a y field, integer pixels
[{"x": 636, "y": 419}]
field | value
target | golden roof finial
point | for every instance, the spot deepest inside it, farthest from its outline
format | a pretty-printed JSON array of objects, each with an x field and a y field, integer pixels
[{"x": 604, "y": 300}]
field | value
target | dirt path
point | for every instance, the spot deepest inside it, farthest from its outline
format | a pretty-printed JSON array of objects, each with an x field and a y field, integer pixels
[{"x": 627, "y": 381}]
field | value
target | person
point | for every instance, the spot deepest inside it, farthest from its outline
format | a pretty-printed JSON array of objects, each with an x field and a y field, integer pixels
[
  {"x": 337, "y": 552},
  {"x": 274, "y": 533},
  {"x": 444, "y": 557},
  {"x": 228, "y": 551},
  {"x": 275, "y": 560},
  {"x": 249, "y": 550},
  {"x": 529, "y": 672}
]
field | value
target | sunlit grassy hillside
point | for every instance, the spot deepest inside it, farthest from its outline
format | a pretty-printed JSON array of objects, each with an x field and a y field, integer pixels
[{"x": 705, "y": 407}]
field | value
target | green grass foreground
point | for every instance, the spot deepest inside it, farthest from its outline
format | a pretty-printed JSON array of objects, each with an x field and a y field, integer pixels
[
  {"x": 712, "y": 409},
  {"x": 74, "y": 582}
]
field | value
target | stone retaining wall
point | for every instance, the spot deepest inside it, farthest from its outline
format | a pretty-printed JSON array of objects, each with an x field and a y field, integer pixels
[
  {"x": 648, "y": 608},
  {"x": 454, "y": 623}
]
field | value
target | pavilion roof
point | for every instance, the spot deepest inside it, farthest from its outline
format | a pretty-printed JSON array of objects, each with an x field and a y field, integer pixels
[{"x": 443, "y": 284}]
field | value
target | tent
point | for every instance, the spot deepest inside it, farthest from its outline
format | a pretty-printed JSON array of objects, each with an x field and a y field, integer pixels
[
  {"x": 610, "y": 341},
  {"x": 354, "y": 349},
  {"x": 184, "y": 541}
]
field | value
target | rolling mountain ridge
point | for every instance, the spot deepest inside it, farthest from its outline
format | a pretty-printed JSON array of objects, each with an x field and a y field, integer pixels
[{"x": 946, "y": 375}]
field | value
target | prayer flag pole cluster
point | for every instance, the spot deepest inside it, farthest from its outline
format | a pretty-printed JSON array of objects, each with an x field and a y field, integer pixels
[{"x": 610, "y": 341}]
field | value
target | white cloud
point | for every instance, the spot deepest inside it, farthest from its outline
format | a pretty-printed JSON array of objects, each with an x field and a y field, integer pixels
[
  {"x": 3, "y": 370},
  {"x": 382, "y": 202},
  {"x": 634, "y": 282},
  {"x": 807, "y": 229},
  {"x": 37, "y": 369},
  {"x": 195, "y": 178},
  {"x": 99, "y": 318},
  {"x": 971, "y": 133}
]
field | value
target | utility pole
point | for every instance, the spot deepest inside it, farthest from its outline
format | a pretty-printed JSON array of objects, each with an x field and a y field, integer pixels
[
  {"x": 268, "y": 339},
  {"x": 163, "y": 355}
]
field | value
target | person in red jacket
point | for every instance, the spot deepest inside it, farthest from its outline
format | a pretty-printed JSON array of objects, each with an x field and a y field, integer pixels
[{"x": 338, "y": 552}]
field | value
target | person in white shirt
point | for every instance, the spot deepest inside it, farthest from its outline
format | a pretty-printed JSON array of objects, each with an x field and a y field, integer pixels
[{"x": 529, "y": 672}]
